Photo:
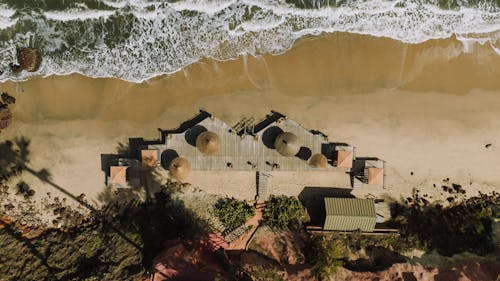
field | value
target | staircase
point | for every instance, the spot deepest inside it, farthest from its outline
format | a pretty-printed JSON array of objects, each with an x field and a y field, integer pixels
[
  {"x": 263, "y": 186},
  {"x": 216, "y": 224},
  {"x": 244, "y": 125},
  {"x": 235, "y": 234}
]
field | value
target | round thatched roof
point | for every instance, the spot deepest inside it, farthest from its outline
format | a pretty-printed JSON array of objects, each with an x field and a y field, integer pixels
[
  {"x": 287, "y": 144},
  {"x": 318, "y": 160},
  {"x": 29, "y": 59},
  {"x": 179, "y": 168},
  {"x": 208, "y": 143}
]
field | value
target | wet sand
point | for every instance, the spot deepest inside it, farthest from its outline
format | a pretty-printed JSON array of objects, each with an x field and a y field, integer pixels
[{"x": 428, "y": 108}]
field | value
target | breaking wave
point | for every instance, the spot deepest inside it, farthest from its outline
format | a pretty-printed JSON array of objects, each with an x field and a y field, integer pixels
[{"x": 136, "y": 40}]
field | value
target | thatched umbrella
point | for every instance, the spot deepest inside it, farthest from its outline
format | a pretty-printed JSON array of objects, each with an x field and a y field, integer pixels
[
  {"x": 179, "y": 168},
  {"x": 208, "y": 143},
  {"x": 318, "y": 160},
  {"x": 29, "y": 59},
  {"x": 5, "y": 117},
  {"x": 287, "y": 144}
]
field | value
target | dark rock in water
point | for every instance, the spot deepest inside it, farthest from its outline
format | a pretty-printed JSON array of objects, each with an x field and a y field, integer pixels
[
  {"x": 15, "y": 68},
  {"x": 29, "y": 59},
  {"x": 450, "y": 199},
  {"x": 487, "y": 145},
  {"x": 444, "y": 187},
  {"x": 5, "y": 117},
  {"x": 8, "y": 99}
]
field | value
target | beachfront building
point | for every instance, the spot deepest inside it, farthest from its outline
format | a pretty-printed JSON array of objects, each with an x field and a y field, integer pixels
[
  {"x": 374, "y": 172},
  {"x": 369, "y": 173},
  {"x": 275, "y": 155},
  {"x": 117, "y": 175},
  {"x": 350, "y": 214},
  {"x": 250, "y": 160},
  {"x": 343, "y": 156}
]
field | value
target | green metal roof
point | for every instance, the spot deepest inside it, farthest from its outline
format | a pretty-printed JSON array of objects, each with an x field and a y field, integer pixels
[{"x": 348, "y": 214}]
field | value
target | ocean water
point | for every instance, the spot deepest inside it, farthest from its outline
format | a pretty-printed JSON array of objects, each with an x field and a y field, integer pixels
[{"x": 135, "y": 40}]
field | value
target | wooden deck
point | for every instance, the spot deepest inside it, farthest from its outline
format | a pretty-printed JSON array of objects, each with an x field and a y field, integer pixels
[{"x": 246, "y": 152}]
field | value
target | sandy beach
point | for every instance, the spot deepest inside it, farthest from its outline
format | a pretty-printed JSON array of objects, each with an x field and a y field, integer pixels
[{"x": 427, "y": 108}]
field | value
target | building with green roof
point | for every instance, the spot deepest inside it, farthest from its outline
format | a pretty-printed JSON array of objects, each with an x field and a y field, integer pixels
[{"x": 349, "y": 214}]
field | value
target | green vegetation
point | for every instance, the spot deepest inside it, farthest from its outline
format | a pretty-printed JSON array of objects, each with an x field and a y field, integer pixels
[
  {"x": 356, "y": 241},
  {"x": 117, "y": 246},
  {"x": 324, "y": 254},
  {"x": 261, "y": 273},
  {"x": 284, "y": 212},
  {"x": 466, "y": 226},
  {"x": 83, "y": 254},
  {"x": 233, "y": 213}
]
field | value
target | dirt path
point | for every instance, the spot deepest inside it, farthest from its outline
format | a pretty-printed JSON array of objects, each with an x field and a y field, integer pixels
[{"x": 244, "y": 240}]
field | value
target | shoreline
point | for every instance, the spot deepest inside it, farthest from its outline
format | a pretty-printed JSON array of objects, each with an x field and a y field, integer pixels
[{"x": 377, "y": 99}]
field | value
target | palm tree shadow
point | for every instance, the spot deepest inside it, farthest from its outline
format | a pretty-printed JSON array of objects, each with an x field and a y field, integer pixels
[
  {"x": 154, "y": 222},
  {"x": 16, "y": 154}
]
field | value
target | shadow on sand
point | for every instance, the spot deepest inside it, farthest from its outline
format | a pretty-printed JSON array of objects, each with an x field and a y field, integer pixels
[{"x": 141, "y": 224}]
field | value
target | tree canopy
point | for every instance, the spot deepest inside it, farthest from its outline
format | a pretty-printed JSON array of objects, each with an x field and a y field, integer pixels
[
  {"x": 284, "y": 212},
  {"x": 324, "y": 254},
  {"x": 233, "y": 213},
  {"x": 465, "y": 226}
]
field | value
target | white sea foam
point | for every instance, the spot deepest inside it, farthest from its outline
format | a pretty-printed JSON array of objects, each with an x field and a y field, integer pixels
[
  {"x": 203, "y": 6},
  {"x": 163, "y": 38},
  {"x": 6, "y": 12},
  {"x": 6, "y": 15},
  {"x": 115, "y": 4},
  {"x": 6, "y": 22},
  {"x": 74, "y": 14}
]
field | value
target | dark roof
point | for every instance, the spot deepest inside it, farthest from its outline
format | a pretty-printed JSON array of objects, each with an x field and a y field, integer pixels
[
  {"x": 273, "y": 117},
  {"x": 186, "y": 125}
]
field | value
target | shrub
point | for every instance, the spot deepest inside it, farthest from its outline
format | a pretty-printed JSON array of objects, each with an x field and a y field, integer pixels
[
  {"x": 261, "y": 273},
  {"x": 466, "y": 226},
  {"x": 283, "y": 212},
  {"x": 325, "y": 255},
  {"x": 233, "y": 213}
]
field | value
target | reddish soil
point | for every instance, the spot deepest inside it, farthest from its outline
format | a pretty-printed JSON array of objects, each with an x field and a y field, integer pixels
[
  {"x": 284, "y": 249},
  {"x": 469, "y": 271},
  {"x": 189, "y": 259},
  {"x": 242, "y": 242}
]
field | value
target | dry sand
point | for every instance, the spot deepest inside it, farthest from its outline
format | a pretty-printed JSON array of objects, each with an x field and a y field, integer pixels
[{"x": 428, "y": 108}]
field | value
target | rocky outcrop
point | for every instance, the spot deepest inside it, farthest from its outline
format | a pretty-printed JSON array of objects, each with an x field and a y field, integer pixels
[
  {"x": 8, "y": 99},
  {"x": 29, "y": 59},
  {"x": 5, "y": 116},
  {"x": 5, "y": 113}
]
